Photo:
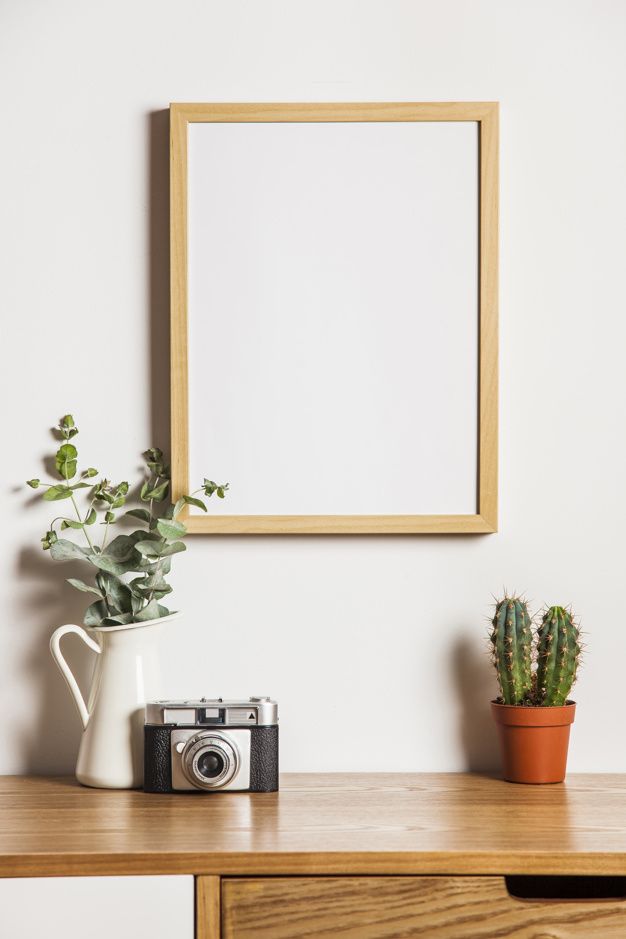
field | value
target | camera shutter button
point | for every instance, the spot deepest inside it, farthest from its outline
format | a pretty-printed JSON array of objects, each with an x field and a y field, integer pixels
[{"x": 260, "y": 700}]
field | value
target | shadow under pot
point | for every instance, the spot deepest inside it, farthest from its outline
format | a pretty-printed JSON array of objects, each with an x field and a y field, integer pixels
[{"x": 534, "y": 741}]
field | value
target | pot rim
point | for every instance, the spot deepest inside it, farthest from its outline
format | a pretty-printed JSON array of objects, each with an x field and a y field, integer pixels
[
  {"x": 534, "y": 716},
  {"x": 530, "y": 707},
  {"x": 149, "y": 622}
]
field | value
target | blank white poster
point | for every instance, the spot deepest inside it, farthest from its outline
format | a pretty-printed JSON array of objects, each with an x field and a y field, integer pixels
[{"x": 333, "y": 316}]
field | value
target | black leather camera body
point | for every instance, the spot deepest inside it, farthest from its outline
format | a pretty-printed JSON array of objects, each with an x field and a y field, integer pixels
[{"x": 211, "y": 745}]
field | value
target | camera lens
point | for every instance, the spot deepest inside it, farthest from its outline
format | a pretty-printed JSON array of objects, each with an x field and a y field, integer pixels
[
  {"x": 210, "y": 764},
  {"x": 210, "y": 760}
]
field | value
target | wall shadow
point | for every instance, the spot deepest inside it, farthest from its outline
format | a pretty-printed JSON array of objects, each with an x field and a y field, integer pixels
[
  {"x": 474, "y": 678},
  {"x": 49, "y": 742},
  {"x": 159, "y": 277}
]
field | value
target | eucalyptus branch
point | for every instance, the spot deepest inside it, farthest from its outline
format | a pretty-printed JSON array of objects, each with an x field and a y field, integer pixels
[
  {"x": 105, "y": 536},
  {"x": 157, "y": 571},
  {"x": 84, "y": 527},
  {"x": 145, "y": 552}
]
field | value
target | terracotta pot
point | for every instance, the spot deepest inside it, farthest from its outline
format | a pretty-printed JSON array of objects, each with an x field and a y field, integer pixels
[{"x": 533, "y": 741}]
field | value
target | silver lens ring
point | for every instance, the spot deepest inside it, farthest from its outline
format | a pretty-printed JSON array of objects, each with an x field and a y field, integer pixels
[{"x": 204, "y": 743}]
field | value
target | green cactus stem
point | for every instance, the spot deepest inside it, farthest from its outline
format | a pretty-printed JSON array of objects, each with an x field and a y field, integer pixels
[
  {"x": 558, "y": 656},
  {"x": 511, "y": 639}
]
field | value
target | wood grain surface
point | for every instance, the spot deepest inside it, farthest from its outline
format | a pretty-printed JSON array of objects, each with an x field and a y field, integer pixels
[
  {"x": 208, "y": 907},
  {"x": 318, "y": 824},
  {"x": 391, "y": 907}
]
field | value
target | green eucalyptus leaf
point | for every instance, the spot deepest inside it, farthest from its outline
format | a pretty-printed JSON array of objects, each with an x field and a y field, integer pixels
[
  {"x": 154, "y": 593},
  {"x": 33, "y": 483},
  {"x": 81, "y": 585},
  {"x": 91, "y": 517},
  {"x": 104, "y": 563},
  {"x": 174, "y": 548},
  {"x": 142, "y": 592},
  {"x": 138, "y": 561},
  {"x": 80, "y": 486},
  {"x": 136, "y": 586},
  {"x": 159, "y": 593},
  {"x": 122, "y": 619},
  {"x": 99, "y": 490},
  {"x": 153, "y": 455},
  {"x": 150, "y": 565},
  {"x": 64, "y": 550},
  {"x": 56, "y": 493},
  {"x": 158, "y": 493},
  {"x": 150, "y": 549},
  {"x": 122, "y": 547},
  {"x": 90, "y": 472},
  {"x": 118, "y": 594},
  {"x": 65, "y": 460},
  {"x": 96, "y": 613},
  {"x": 151, "y": 611},
  {"x": 153, "y": 579},
  {"x": 49, "y": 539},
  {"x": 189, "y": 500},
  {"x": 70, "y": 523},
  {"x": 67, "y": 427},
  {"x": 140, "y": 534},
  {"x": 142, "y": 514},
  {"x": 109, "y": 517},
  {"x": 171, "y": 529}
]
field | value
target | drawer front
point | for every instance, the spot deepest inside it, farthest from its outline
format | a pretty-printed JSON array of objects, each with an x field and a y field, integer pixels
[
  {"x": 386, "y": 907},
  {"x": 159, "y": 907}
]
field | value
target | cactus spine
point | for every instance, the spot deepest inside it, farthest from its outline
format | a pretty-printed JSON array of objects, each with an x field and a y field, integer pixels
[
  {"x": 511, "y": 639},
  {"x": 558, "y": 654}
]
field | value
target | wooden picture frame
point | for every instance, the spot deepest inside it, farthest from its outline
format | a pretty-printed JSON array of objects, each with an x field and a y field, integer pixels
[{"x": 485, "y": 115}]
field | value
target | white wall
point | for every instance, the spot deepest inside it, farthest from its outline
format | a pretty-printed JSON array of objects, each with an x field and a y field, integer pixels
[{"x": 373, "y": 646}]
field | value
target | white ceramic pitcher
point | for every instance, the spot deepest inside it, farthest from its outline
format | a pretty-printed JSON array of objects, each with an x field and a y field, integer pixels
[{"x": 126, "y": 675}]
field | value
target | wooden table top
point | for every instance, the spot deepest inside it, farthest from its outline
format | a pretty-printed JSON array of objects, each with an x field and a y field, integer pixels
[{"x": 433, "y": 823}]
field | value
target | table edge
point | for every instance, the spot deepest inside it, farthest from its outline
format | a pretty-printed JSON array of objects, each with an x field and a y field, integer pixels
[{"x": 315, "y": 863}]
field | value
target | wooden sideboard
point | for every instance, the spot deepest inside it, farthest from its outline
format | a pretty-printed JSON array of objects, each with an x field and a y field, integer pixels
[{"x": 359, "y": 856}]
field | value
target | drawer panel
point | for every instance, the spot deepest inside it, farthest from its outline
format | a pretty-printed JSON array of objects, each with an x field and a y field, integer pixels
[
  {"x": 386, "y": 907},
  {"x": 159, "y": 907}
]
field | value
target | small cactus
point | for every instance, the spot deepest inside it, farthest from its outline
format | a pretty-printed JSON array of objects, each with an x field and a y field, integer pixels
[
  {"x": 555, "y": 648},
  {"x": 558, "y": 655},
  {"x": 512, "y": 647}
]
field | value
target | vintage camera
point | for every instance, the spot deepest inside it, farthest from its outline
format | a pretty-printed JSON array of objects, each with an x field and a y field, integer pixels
[{"x": 211, "y": 745}]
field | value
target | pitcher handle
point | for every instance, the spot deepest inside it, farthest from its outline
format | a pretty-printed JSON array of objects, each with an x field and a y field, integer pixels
[{"x": 57, "y": 655}]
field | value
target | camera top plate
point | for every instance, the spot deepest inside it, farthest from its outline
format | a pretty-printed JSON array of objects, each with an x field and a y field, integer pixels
[{"x": 214, "y": 712}]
